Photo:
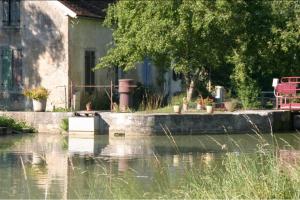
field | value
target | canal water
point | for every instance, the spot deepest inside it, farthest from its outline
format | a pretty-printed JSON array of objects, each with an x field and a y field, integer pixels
[{"x": 48, "y": 166}]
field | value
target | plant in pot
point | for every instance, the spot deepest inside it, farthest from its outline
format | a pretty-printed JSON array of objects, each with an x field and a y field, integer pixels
[
  {"x": 39, "y": 97},
  {"x": 177, "y": 106},
  {"x": 209, "y": 105}
]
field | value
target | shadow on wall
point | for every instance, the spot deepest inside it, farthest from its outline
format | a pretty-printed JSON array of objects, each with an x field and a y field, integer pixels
[{"x": 42, "y": 42}]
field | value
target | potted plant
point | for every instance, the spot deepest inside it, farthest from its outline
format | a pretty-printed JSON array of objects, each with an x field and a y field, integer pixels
[
  {"x": 185, "y": 104},
  {"x": 177, "y": 108},
  {"x": 209, "y": 105},
  {"x": 39, "y": 97}
]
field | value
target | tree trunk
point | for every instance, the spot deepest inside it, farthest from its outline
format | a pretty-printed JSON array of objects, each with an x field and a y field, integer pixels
[{"x": 190, "y": 90}]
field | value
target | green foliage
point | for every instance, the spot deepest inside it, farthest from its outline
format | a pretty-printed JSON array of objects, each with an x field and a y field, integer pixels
[
  {"x": 266, "y": 45},
  {"x": 15, "y": 125},
  {"x": 60, "y": 109},
  {"x": 249, "y": 42},
  {"x": 64, "y": 124},
  {"x": 99, "y": 101},
  {"x": 177, "y": 99},
  {"x": 38, "y": 93},
  {"x": 169, "y": 33}
]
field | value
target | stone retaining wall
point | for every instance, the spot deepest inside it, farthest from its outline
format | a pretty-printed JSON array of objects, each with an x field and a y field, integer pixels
[
  {"x": 237, "y": 122},
  {"x": 149, "y": 124}
]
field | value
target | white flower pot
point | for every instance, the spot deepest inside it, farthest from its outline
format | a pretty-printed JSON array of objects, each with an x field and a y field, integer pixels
[
  {"x": 177, "y": 109},
  {"x": 39, "y": 105},
  {"x": 209, "y": 109}
]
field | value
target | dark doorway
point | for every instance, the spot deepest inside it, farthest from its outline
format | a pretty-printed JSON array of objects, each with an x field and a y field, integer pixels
[{"x": 89, "y": 73}]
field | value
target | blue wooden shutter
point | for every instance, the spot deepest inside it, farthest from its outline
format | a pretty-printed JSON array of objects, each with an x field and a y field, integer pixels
[
  {"x": 6, "y": 68},
  {"x": 147, "y": 74},
  {"x": 17, "y": 73},
  {"x": 5, "y": 11},
  {"x": 15, "y": 12}
]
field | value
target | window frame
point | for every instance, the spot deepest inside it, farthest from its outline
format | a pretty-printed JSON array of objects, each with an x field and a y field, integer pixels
[
  {"x": 11, "y": 13},
  {"x": 14, "y": 70}
]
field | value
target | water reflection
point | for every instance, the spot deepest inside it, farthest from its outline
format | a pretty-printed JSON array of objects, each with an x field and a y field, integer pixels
[{"x": 53, "y": 166}]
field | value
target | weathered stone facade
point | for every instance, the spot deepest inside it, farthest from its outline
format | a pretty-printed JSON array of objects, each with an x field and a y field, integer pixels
[{"x": 42, "y": 37}]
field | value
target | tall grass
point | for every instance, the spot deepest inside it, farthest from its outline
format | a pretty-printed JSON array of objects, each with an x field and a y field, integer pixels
[{"x": 267, "y": 173}]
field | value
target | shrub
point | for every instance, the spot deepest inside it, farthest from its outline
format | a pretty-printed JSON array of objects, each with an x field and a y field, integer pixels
[
  {"x": 15, "y": 125},
  {"x": 38, "y": 93}
]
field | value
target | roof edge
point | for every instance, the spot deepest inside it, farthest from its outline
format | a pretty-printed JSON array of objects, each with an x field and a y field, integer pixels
[{"x": 67, "y": 10}]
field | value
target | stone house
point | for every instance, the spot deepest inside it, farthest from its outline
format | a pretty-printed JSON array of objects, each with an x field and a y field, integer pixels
[{"x": 55, "y": 44}]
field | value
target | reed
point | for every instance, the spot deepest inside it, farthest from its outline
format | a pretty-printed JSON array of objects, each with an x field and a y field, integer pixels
[{"x": 266, "y": 173}]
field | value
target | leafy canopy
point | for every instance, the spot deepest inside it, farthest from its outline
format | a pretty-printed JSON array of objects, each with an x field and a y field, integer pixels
[{"x": 185, "y": 35}]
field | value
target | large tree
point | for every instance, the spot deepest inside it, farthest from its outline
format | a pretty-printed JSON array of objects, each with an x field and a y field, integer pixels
[
  {"x": 185, "y": 35},
  {"x": 253, "y": 40}
]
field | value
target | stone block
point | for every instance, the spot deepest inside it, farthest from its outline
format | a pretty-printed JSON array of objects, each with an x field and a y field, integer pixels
[{"x": 84, "y": 124}]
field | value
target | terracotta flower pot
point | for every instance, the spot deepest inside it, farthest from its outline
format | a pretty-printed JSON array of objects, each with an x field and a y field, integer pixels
[{"x": 88, "y": 106}]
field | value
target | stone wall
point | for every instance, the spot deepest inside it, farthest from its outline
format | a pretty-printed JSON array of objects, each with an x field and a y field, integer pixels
[
  {"x": 237, "y": 122},
  {"x": 160, "y": 124}
]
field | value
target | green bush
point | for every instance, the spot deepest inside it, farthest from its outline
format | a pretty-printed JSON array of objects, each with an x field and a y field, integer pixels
[
  {"x": 60, "y": 109},
  {"x": 15, "y": 125}
]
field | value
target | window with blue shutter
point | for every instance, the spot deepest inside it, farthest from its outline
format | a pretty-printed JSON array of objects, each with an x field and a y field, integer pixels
[
  {"x": 147, "y": 72},
  {"x": 11, "y": 68},
  {"x": 17, "y": 71},
  {"x": 11, "y": 12},
  {"x": 6, "y": 75}
]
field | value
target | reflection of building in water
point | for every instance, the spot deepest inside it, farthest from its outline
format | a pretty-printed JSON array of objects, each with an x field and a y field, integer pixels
[
  {"x": 86, "y": 145},
  {"x": 48, "y": 162},
  {"x": 81, "y": 145}
]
